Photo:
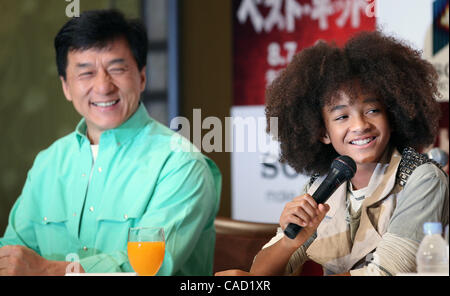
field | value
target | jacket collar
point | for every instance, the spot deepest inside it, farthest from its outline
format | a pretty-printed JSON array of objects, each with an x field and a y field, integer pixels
[
  {"x": 393, "y": 157},
  {"x": 332, "y": 247},
  {"x": 390, "y": 156}
]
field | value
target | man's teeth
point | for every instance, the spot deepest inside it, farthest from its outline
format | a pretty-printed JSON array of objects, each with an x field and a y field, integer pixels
[
  {"x": 362, "y": 142},
  {"x": 105, "y": 104}
]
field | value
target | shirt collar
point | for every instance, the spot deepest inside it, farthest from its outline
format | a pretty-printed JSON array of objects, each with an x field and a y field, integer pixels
[{"x": 120, "y": 134}]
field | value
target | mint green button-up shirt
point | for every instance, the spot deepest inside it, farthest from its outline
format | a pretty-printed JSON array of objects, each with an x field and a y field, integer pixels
[{"x": 143, "y": 176}]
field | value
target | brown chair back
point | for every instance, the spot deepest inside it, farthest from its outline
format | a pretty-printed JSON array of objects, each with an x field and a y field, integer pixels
[{"x": 238, "y": 242}]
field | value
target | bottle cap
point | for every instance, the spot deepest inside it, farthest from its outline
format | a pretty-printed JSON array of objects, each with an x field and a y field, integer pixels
[{"x": 432, "y": 228}]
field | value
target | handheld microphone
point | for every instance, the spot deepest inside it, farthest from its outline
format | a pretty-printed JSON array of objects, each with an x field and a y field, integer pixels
[{"x": 342, "y": 168}]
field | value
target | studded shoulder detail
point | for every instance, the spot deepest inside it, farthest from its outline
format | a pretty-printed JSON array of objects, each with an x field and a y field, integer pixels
[{"x": 411, "y": 159}]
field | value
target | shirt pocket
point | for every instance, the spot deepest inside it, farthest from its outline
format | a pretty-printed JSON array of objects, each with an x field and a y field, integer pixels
[
  {"x": 113, "y": 225},
  {"x": 52, "y": 235}
]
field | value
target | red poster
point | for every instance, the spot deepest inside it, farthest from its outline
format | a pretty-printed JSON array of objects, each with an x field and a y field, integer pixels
[{"x": 267, "y": 33}]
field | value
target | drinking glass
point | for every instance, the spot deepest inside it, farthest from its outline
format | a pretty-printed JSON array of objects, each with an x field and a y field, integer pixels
[{"x": 146, "y": 247}]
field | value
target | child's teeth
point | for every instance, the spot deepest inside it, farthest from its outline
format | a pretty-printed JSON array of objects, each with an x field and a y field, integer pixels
[{"x": 362, "y": 142}]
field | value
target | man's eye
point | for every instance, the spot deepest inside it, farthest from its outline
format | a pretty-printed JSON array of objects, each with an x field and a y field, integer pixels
[
  {"x": 84, "y": 74},
  {"x": 117, "y": 70}
]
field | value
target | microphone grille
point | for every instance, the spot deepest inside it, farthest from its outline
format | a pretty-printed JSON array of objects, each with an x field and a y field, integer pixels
[{"x": 346, "y": 165}]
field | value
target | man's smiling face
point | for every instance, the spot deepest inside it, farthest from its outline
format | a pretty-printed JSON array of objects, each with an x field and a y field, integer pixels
[{"x": 104, "y": 85}]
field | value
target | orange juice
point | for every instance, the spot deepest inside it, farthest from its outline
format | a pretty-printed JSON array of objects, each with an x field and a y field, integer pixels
[{"x": 146, "y": 257}]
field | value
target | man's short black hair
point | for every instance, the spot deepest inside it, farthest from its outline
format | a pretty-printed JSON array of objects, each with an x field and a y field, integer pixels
[{"x": 97, "y": 29}]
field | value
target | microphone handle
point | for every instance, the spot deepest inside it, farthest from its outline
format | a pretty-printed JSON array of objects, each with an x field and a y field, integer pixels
[
  {"x": 292, "y": 230},
  {"x": 320, "y": 196}
]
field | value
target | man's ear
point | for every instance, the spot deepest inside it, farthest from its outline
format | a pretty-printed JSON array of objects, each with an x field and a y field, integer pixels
[
  {"x": 143, "y": 76},
  {"x": 65, "y": 88},
  {"x": 325, "y": 138}
]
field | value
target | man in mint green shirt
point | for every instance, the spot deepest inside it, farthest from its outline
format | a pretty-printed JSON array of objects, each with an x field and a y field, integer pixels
[{"x": 119, "y": 169}]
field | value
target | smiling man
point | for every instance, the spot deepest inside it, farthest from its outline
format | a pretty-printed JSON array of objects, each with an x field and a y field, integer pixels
[
  {"x": 118, "y": 169},
  {"x": 104, "y": 85}
]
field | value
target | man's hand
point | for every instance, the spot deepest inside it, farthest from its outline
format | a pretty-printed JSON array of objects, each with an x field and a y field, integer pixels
[{"x": 20, "y": 260}]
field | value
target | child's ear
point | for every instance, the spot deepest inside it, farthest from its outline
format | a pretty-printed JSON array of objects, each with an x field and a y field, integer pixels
[{"x": 325, "y": 138}]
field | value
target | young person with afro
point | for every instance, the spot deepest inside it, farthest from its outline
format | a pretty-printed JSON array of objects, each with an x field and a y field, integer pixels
[{"x": 374, "y": 100}]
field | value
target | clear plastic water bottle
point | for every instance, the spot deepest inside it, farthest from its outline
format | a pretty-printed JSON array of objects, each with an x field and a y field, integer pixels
[
  {"x": 432, "y": 255},
  {"x": 446, "y": 239}
]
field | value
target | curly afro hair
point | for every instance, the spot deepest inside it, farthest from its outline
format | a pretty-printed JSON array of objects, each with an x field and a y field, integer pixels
[{"x": 394, "y": 72}]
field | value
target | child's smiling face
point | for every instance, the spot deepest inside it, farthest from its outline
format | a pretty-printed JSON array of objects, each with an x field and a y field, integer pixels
[{"x": 358, "y": 128}]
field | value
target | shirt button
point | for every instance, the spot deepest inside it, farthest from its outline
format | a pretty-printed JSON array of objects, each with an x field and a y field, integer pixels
[
  {"x": 91, "y": 209},
  {"x": 45, "y": 218},
  {"x": 85, "y": 248},
  {"x": 125, "y": 216},
  {"x": 83, "y": 175},
  {"x": 99, "y": 169},
  {"x": 74, "y": 214}
]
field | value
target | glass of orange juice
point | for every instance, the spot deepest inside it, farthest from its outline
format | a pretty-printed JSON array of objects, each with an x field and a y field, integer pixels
[{"x": 146, "y": 247}]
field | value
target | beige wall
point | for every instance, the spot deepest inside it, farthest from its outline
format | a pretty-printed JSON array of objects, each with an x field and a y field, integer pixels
[{"x": 206, "y": 71}]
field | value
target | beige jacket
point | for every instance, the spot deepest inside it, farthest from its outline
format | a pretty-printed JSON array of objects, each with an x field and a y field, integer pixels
[{"x": 391, "y": 208}]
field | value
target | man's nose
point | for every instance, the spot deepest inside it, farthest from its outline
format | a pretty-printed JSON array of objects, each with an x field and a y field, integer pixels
[{"x": 103, "y": 83}]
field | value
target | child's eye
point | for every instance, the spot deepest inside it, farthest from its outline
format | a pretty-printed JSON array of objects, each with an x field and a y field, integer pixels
[
  {"x": 342, "y": 117},
  {"x": 373, "y": 111}
]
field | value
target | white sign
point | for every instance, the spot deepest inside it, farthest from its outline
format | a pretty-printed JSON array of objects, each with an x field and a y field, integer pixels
[{"x": 261, "y": 185}]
